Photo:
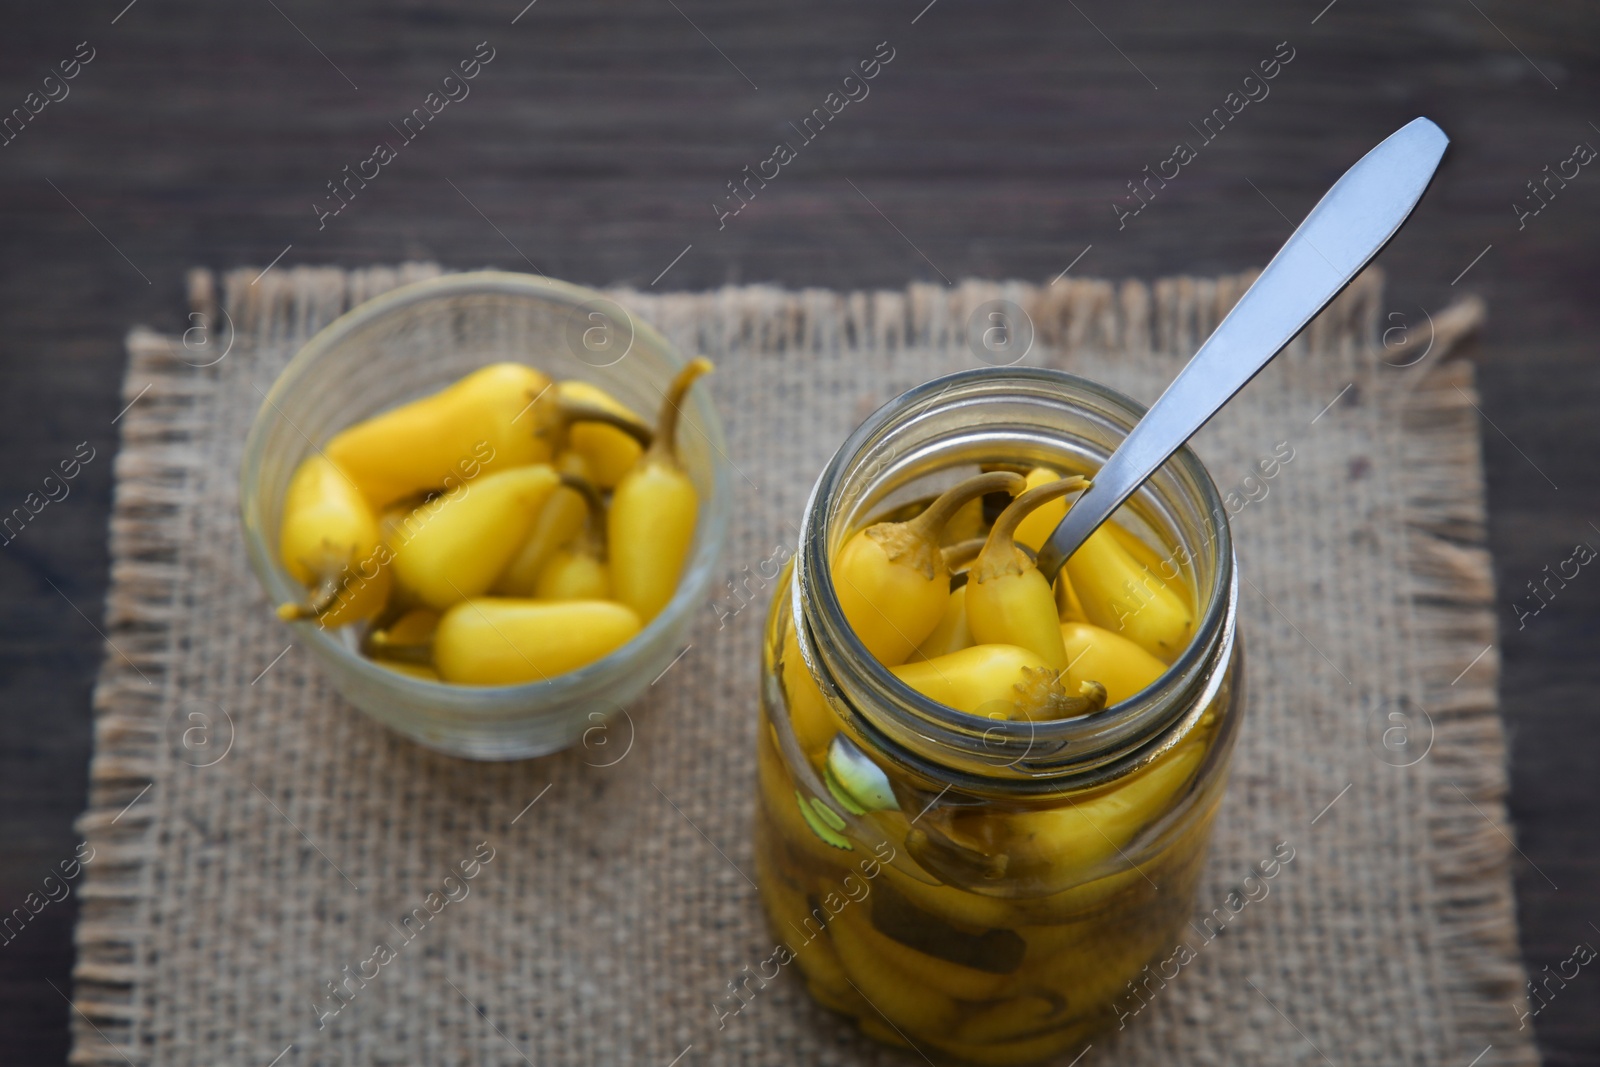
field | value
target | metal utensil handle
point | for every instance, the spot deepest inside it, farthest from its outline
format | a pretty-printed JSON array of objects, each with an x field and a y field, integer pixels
[{"x": 1349, "y": 225}]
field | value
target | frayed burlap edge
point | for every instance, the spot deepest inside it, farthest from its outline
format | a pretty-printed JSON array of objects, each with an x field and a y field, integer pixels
[
  {"x": 1451, "y": 584},
  {"x": 1455, "y": 639}
]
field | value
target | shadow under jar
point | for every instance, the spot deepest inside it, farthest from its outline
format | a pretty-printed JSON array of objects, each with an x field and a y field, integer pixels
[{"x": 982, "y": 889}]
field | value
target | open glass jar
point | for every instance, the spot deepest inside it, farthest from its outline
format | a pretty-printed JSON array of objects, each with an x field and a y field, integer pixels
[{"x": 985, "y": 889}]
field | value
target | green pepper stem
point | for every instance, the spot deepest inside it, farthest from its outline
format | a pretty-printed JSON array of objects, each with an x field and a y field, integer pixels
[
  {"x": 595, "y": 526},
  {"x": 321, "y": 601},
  {"x": 378, "y": 646},
  {"x": 572, "y": 411},
  {"x": 1000, "y": 554},
  {"x": 1041, "y": 695},
  {"x": 937, "y": 515},
  {"x": 666, "y": 437},
  {"x": 915, "y": 542},
  {"x": 961, "y": 554}
]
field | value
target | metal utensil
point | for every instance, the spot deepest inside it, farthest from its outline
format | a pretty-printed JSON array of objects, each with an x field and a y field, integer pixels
[{"x": 1349, "y": 225}]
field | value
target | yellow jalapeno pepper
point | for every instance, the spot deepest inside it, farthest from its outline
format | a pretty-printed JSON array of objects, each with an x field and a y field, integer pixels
[
  {"x": 946, "y": 976},
  {"x": 952, "y": 633},
  {"x": 814, "y": 722},
  {"x": 891, "y": 578},
  {"x": 574, "y": 574},
  {"x": 1079, "y": 837},
  {"x": 1038, "y": 524},
  {"x": 400, "y": 522},
  {"x": 966, "y": 524},
  {"x": 501, "y": 416},
  {"x": 408, "y": 639},
  {"x": 999, "y": 681},
  {"x": 1150, "y": 559},
  {"x": 654, "y": 510},
  {"x": 578, "y": 571},
  {"x": 465, "y": 540},
  {"x": 1067, "y": 602},
  {"x": 329, "y": 541},
  {"x": 894, "y": 993},
  {"x": 361, "y": 595},
  {"x": 484, "y": 422},
  {"x": 504, "y": 641},
  {"x": 559, "y": 521},
  {"x": 1036, "y": 527},
  {"x": 1122, "y": 666},
  {"x": 1120, "y": 594},
  {"x": 327, "y": 525},
  {"x": 1008, "y": 600},
  {"x": 787, "y": 912},
  {"x": 608, "y": 451}
]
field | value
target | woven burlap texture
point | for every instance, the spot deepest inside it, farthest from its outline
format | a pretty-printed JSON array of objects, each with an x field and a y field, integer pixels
[{"x": 225, "y": 900}]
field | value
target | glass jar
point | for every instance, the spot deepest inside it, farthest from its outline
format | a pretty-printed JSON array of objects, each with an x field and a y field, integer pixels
[{"x": 981, "y": 889}]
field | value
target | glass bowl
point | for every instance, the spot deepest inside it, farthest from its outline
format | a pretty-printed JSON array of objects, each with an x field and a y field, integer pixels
[{"x": 417, "y": 340}]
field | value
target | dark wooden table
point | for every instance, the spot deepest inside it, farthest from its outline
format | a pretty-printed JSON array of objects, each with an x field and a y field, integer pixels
[{"x": 594, "y": 145}]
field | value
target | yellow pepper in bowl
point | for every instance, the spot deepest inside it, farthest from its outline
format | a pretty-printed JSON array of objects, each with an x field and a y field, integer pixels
[{"x": 503, "y": 530}]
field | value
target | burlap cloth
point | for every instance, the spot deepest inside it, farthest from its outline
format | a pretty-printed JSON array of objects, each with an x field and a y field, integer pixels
[{"x": 256, "y": 838}]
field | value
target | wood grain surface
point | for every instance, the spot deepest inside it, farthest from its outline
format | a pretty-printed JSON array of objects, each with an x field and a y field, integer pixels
[{"x": 597, "y": 145}]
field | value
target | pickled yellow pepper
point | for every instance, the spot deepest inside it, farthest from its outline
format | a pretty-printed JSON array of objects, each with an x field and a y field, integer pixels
[
  {"x": 481, "y": 423},
  {"x": 409, "y": 637},
  {"x": 653, "y": 513},
  {"x": 361, "y": 595},
  {"x": 327, "y": 524},
  {"x": 608, "y": 451},
  {"x": 464, "y": 542},
  {"x": 559, "y": 521},
  {"x": 1074, "y": 839},
  {"x": 503, "y": 641},
  {"x": 405, "y": 645},
  {"x": 425, "y": 508},
  {"x": 1120, "y": 594},
  {"x": 329, "y": 542},
  {"x": 891, "y": 578},
  {"x": 1000, "y": 681},
  {"x": 1124, "y": 668},
  {"x": 1008, "y": 600},
  {"x": 577, "y": 570},
  {"x": 1037, "y": 526},
  {"x": 502, "y": 416},
  {"x": 1042, "y": 521},
  {"x": 951, "y": 634}
]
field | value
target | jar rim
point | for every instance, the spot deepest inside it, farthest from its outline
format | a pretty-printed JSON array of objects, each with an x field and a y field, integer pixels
[{"x": 927, "y": 736}]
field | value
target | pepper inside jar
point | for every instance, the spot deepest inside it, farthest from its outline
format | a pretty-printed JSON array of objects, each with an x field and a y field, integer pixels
[{"x": 985, "y": 798}]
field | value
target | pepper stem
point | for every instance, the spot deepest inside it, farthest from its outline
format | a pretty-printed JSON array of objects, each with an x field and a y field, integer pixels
[
  {"x": 572, "y": 411},
  {"x": 666, "y": 438},
  {"x": 378, "y": 646},
  {"x": 959, "y": 556},
  {"x": 1000, "y": 554},
  {"x": 1042, "y": 696},
  {"x": 321, "y": 601},
  {"x": 915, "y": 542},
  {"x": 937, "y": 515},
  {"x": 595, "y": 527}
]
